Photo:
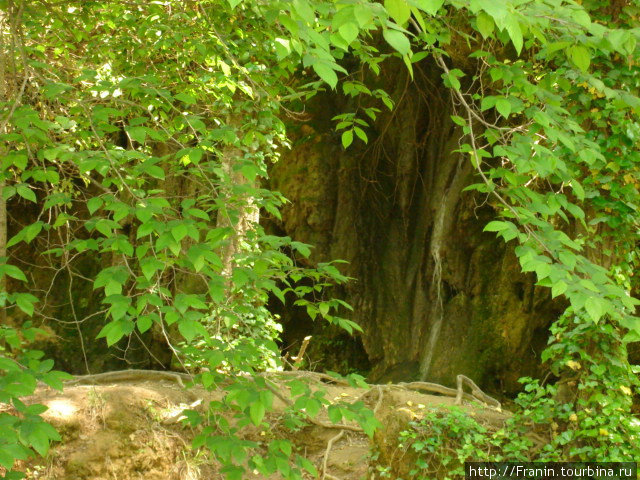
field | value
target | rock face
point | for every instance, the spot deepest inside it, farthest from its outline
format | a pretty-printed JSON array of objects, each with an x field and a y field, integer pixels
[{"x": 435, "y": 295}]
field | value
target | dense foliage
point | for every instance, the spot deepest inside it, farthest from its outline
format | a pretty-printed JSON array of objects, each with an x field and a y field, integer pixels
[
  {"x": 141, "y": 131},
  {"x": 585, "y": 417}
]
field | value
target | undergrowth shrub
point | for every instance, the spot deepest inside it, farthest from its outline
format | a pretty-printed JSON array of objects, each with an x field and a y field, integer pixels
[{"x": 584, "y": 415}]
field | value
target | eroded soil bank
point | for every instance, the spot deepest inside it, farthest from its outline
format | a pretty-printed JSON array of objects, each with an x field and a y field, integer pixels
[{"x": 130, "y": 429}]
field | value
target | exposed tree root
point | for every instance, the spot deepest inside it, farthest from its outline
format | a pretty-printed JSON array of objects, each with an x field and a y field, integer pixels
[
  {"x": 182, "y": 378},
  {"x": 131, "y": 376},
  {"x": 475, "y": 391},
  {"x": 320, "y": 377},
  {"x": 330, "y": 443},
  {"x": 458, "y": 393}
]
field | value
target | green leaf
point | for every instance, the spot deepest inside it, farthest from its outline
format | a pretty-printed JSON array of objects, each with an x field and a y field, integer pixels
[
  {"x": 512, "y": 26},
  {"x": 335, "y": 414},
  {"x": 347, "y": 138},
  {"x": 485, "y": 24},
  {"x": 568, "y": 258},
  {"x": 146, "y": 229},
  {"x": 361, "y": 134},
  {"x": 17, "y": 238},
  {"x": 496, "y": 226},
  {"x": 196, "y": 212},
  {"x": 338, "y": 41},
  {"x": 183, "y": 302},
  {"x": 459, "y": 120},
  {"x": 542, "y": 270},
  {"x": 114, "y": 331},
  {"x": 349, "y": 31},
  {"x": 451, "y": 78},
  {"x": 55, "y": 378},
  {"x": 397, "y": 40},
  {"x": 305, "y": 11},
  {"x": 32, "y": 231},
  {"x": 495, "y": 8},
  {"x": 313, "y": 407},
  {"x": 630, "y": 45},
  {"x": 575, "y": 210},
  {"x": 138, "y": 134},
  {"x": 503, "y": 106},
  {"x": 580, "y": 57},
  {"x": 250, "y": 171},
  {"x": 307, "y": 465},
  {"x": 363, "y": 14},
  {"x": 39, "y": 441},
  {"x": 26, "y": 302},
  {"x": 9, "y": 365},
  {"x": 186, "y": 98},
  {"x": 487, "y": 102},
  {"x": 52, "y": 90},
  {"x": 283, "y": 49},
  {"x": 558, "y": 288},
  {"x": 25, "y": 192},
  {"x": 302, "y": 248},
  {"x": 179, "y": 231},
  {"x": 239, "y": 277},
  {"x": 150, "y": 266},
  {"x": 122, "y": 245},
  {"x": 595, "y": 308},
  {"x": 119, "y": 308},
  {"x": 581, "y": 17},
  {"x": 429, "y": 6},
  {"x": 13, "y": 272},
  {"x": 188, "y": 329},
  {"x": 217, "y": 289},
  {"x": 256, "y": 412},
  {"x": 155, "y": 171},
  {"x": 8, "y": 192},
  {"x": 399, "y": 10},
  {"x": 196, "y": 255},
  {"x": 144, "y": 214},
  {"x": 104, "y": 226},
  {"x": 326, "y": 73},
  {"x": 93, "y": 204},
  {"x": 577, "y": 189}
]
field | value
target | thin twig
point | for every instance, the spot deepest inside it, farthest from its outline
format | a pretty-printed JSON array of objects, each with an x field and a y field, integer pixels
[{"x": 297, "y": 361}]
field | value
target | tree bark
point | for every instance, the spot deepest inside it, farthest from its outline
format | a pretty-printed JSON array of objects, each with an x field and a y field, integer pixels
[{"x": 237, "y": 208}]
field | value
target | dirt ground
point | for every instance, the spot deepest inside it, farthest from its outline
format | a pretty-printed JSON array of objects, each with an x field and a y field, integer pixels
[{"x": 131, "y": 430}]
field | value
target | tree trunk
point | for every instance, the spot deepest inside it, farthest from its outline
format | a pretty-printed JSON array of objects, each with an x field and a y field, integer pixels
[{"x": 237, "y": 208}]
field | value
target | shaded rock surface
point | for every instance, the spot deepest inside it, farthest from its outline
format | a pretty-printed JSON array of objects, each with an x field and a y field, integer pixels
[{"x": 435, "y": 295}]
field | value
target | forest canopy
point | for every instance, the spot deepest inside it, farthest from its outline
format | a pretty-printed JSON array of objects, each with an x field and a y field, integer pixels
[{"x": 137, "y": 139}]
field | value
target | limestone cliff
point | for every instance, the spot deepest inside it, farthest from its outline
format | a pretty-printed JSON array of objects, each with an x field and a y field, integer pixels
[{"x": 434, "y": 294}]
